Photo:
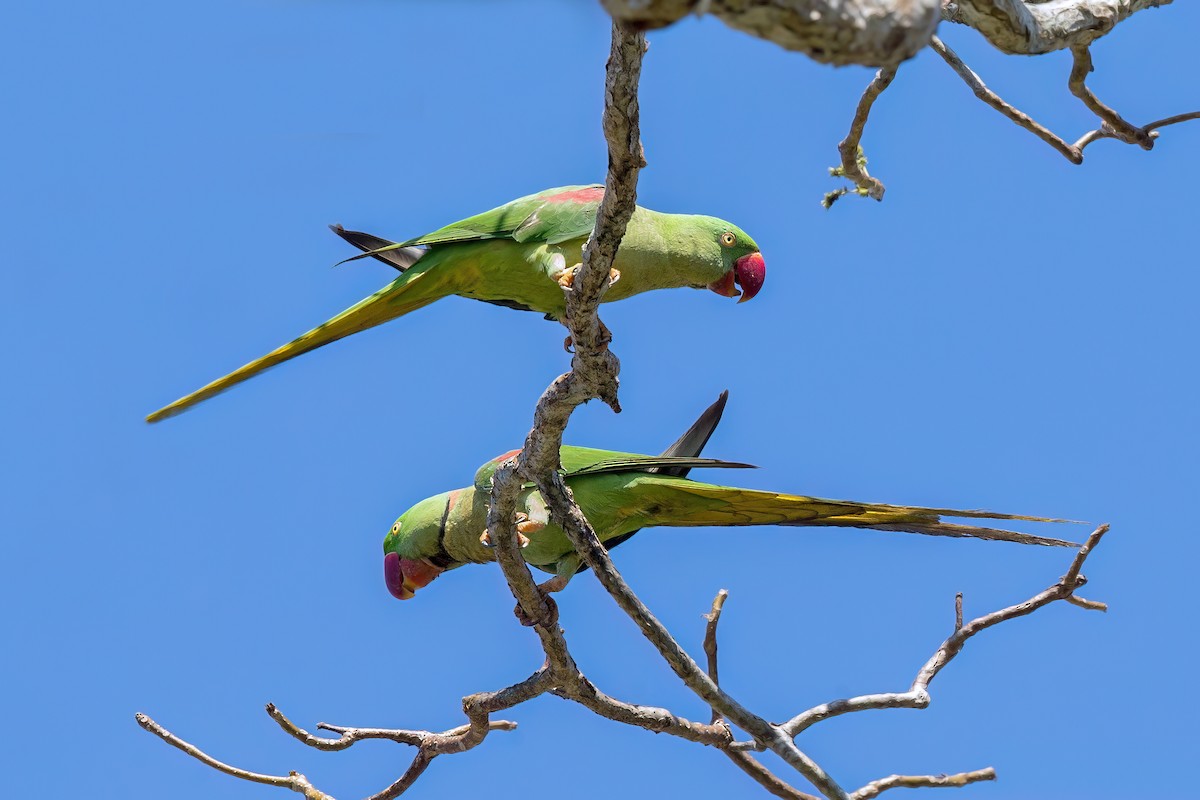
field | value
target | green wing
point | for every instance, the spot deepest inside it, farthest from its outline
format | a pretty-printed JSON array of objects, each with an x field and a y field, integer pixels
[
  {"x": 548, "y": 217},
  {"x": 552, "y": 216},
  {"x": 633, "y": 462},
  {"x": 580, "y": 461}
]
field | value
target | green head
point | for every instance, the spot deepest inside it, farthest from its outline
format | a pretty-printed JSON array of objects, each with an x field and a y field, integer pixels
[
  {"x": 742, "y": 263},
  {"x": 412, "y": 546}
]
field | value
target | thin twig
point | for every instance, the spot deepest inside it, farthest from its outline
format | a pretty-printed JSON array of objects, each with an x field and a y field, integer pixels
[
  {"x": 349, "y": 736},
  {"x": 854, "y": 166},
  {"x": 1070, "y": 152},
  {"x": 1090, "y": 605},
  {"x": 1174, "y": 120},
  {"x": 744, "y": 761},
  {"x": 710, "y": 641},
  {"x": 429, "y": 744},
  {"x": 958, "y": 618},
  {"x": 873, "y": 788},
  {"x": 293, "y": 780},
  {"x": 1117, "y": 125},
  {"x": 1106, "y": 132}
]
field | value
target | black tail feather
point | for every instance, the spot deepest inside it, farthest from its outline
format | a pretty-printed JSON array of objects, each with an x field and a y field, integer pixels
[{"x": 400, "y": 258}]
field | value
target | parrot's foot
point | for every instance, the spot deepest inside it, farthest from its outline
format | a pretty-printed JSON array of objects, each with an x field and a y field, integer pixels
[
  {"x": 485, "y": 538},
  {"x": 555, "y": 584},
  {"x": 566, "y": 278},
  {"x": 527, "y": 525}
]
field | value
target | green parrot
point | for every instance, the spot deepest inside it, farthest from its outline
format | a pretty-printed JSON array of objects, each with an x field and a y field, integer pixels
[
  {"x": 523, "y": 255},
  {"x": 620, "y": 493}
]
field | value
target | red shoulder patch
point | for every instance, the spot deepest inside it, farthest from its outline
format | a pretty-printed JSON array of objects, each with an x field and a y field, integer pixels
[
  {"x": 506, "y": 456},
  {"x": 591, "y": 194}
]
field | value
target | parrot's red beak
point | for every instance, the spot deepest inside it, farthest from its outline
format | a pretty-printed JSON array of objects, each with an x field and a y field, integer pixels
[
  {"x": 405, "y": 575},
  {"x": 749, "y": 272}
]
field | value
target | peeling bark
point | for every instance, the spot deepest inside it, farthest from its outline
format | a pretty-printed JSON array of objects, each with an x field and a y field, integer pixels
[
  {"x": 1021, "y": 28},
  {"x": 872, "y": 33}
]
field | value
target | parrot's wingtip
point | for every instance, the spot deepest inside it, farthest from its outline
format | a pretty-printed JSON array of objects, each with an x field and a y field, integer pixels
[{"x": 337, "y": 228}]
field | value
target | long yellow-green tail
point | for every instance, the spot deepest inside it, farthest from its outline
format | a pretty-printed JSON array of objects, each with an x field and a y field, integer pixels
[
  {"x": 679, "y": 502},
  {"x": 407, "y": 293}
]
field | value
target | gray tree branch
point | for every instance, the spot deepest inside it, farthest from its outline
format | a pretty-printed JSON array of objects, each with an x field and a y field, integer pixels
[
  {"x": 884, "y": 33},
  {"x": 854, "y": 164},
  {"x": 1071, "y": 152},
  {"x": 1030, "y": 28},
  {"x": 873, "y": 33}
]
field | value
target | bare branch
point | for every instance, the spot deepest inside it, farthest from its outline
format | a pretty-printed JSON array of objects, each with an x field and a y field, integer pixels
[
  {"x": 1175, "y": 120},
  {"x": 918, "y": 695},
  {"x": 1115, "y": 123},
  {"x": 418, "y": 766},
  {"x": 854, "y": 165},
  {"x": 1106, "y": 132},
  {"x": 765, "y": 778},
  {"x": 744, "y": 761},
  {"x": 873, "y": 788},
  {"x": 293, "y": 780},
  {"x": 580, "y": 690},
  {"x": 1070, "y": 152},
  {"x": 1113, "y": 126},
  {"x": 429, "y": 744},
  {"x": 873, "y": 33},
  {"x": 1090, "y": 605},
  {"x": 350, "y": 736},
  {"x": 710, "y": 640},
  {"x": 1029, "y": 28},
  {"x": 593, "y": 368}
]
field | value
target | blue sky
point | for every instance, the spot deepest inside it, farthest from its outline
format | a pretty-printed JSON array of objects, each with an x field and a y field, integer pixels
[{"x": 1004, "y": 331}]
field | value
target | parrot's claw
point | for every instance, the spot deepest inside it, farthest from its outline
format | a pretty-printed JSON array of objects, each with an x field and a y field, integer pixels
[
  {"x": 569, "y": 344},
  {"x": 527, "y": 525},
  {"x": 485, "y": 539},
  {"x": 555, "y": 584},
  {"x": 566, "y": 278}
]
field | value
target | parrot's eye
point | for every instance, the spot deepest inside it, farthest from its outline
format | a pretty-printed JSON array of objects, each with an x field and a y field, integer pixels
[
  {"x": 396, "y": 528},
  {"x": 728, "y": 239}
]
